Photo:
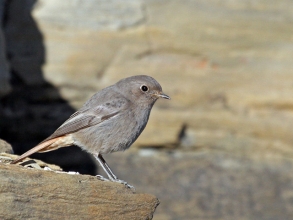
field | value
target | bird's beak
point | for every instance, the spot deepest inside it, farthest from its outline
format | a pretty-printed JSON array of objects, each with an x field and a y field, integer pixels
[{"x": 164, "y": 96}]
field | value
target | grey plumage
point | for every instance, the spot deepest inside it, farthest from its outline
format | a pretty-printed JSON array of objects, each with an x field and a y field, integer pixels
[{"x": 111, "y": 120}]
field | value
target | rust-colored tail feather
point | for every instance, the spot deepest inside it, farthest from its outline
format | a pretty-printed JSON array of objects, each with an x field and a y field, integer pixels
[{"x": 42, "y": 147}]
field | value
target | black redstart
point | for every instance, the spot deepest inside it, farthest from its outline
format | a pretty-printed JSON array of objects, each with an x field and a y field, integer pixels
[{"x": 111, "y": 120}]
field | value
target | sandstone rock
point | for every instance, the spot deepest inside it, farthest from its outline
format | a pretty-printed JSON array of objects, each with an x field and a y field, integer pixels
[
  {"x": 228, "y": 59},
  {"x": 95, "y": 15},
  {"x": 5, "y": 147},
  {"x": 29, "y": 162},
  {"x": 95, "y": 31},
  {"x": 210, "y": 184},
  {"x": 39, "y": 194}
]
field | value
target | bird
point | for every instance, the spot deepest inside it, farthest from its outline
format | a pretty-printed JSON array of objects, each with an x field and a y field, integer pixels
[{"x": 110, "y": 121}]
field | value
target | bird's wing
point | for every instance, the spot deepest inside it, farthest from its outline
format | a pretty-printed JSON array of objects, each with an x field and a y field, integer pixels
[
  {"x": 83, "y": 119},
  {"x": 79, "y": 120}
]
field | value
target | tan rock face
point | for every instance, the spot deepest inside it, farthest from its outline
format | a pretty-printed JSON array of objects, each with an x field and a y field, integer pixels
[
  {"x": 5, "y": 147},
  {"x": 210, "y": 184},
  {"x": 39, "y": 194},
  {"x": 228, "y": 71}
]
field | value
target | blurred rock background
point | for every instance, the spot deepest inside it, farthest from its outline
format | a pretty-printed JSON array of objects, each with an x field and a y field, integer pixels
[{"x": 220, "y": 149}]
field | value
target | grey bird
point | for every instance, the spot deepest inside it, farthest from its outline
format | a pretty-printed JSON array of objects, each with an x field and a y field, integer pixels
[{"x": 111, "y": 120}]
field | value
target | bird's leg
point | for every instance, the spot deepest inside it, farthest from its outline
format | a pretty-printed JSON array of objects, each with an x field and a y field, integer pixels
[
  {"x": 105, "y": 167},
  {"x": 109, "y": 172}
]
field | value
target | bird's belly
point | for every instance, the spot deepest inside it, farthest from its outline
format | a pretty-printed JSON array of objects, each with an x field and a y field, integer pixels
[{"x": 109, "y": 136}]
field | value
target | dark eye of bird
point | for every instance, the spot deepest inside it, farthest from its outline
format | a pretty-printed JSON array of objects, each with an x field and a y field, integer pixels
[{"x": 144, "y": 88}]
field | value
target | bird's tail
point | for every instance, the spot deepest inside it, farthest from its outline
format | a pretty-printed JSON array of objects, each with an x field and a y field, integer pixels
[{"x": 42, "y": 147}]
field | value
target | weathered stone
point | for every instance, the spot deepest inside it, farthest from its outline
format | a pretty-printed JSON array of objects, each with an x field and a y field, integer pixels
[
  {"x": 5, "y": 147},
  {"x": 39, "y": 194},
  {"x": 210, "y": 184},
  {"x": 93, "y": 15},
  {"x": 95, "y": 31},
  {"x": 29, "y": 162},
  {"x": 212, "y": 58}
]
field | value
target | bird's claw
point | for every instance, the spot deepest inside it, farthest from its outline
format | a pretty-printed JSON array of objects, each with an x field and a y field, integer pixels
[
  {"x": 116, "y": 181},
  {"x": 124, "y": 183},
  {"x": 100, "y": 177}
]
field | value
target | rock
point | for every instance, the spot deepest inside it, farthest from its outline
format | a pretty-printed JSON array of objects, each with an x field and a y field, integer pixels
[
  {"x": 39, "y": 194},
  {"x": 210, "y": 184},
  {"x": 29, "y": 162},
  {"x": 221, "y": 57},
  {"x": 216, "y": 61},
  {"x": 5, "y": 147},
  {"x": 98, "y": 24},
  {"x": 95, "y": 15}
]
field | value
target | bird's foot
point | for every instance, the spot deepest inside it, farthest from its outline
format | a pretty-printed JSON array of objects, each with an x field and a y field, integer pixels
[
  {"x": 124, "y": 183},
  {"x": 116, "y": 181},
  {"x": 100, "y": 177}
]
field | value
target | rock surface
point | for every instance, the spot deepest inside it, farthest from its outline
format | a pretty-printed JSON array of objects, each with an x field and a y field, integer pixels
[
  {"x": 225, "y": 64},
  {"x": 230, "y": 62},
  {"x": 5, "y": 147},
  {"x": 38, "y": 194},
  {"x": 210, "y": 184}
]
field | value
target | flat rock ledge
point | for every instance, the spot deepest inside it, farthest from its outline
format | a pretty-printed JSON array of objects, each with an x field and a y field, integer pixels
[{"x": 32, "y": 193}]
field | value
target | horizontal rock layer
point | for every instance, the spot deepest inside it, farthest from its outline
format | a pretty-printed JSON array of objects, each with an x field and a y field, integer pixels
[{"x": 38, "y": 194}]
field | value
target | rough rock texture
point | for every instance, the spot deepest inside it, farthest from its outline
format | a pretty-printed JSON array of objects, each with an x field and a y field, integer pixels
[
  {"x": 226, "y": 64},
  {"x": 38, "y": 194},
  {"x": 210, "y": 184},
  {"x": 5, "y": 147}
]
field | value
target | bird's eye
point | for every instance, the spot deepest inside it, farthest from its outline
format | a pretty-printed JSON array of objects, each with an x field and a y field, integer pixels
[{"x": 144, "y": 88}]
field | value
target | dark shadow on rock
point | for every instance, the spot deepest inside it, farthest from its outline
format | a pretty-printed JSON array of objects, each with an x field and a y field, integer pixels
[{"x": 34, "y": 108}]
